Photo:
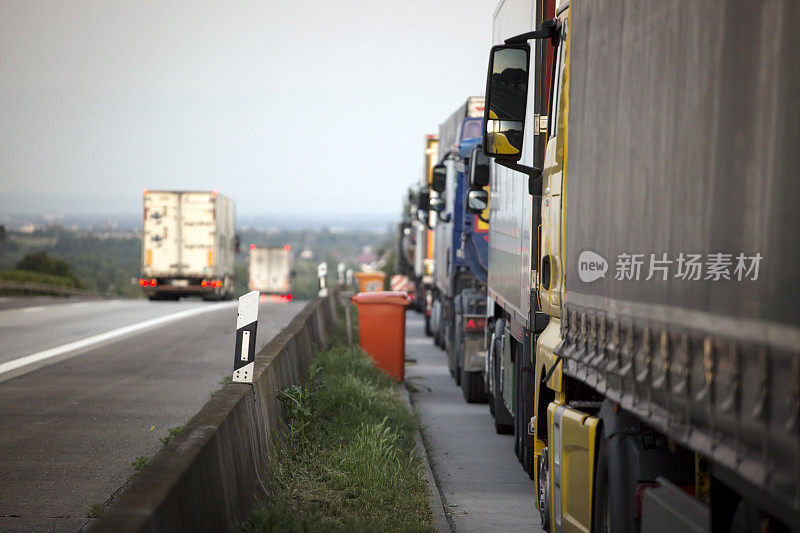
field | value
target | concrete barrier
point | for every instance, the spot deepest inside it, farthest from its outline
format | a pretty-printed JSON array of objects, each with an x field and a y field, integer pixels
[{"x": 212, "y": 475}]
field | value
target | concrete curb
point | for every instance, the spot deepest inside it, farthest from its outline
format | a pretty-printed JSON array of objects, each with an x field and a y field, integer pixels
[
  {"x": 440, "y": 520},
  {"x": 211, "y": 476}
]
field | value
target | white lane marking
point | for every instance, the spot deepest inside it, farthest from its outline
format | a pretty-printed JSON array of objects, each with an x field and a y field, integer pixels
[
  {"x": 32, "y": 309},
  {"x": 103, "y": 337}
]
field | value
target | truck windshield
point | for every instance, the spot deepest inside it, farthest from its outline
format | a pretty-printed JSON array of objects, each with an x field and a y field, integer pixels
[{"x": 472, "y": 128}]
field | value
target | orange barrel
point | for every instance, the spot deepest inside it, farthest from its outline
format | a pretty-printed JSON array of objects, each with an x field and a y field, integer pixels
[
  {"x": 370, "y": 281},
  {"x": 382, "y": 329}
]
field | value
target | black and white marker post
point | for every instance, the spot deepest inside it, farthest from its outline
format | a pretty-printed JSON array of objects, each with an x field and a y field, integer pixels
[{"x": 245, "y": 354}]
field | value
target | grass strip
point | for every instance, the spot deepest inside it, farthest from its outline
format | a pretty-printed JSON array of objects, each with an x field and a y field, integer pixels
[{"x": 346, "y": 460}]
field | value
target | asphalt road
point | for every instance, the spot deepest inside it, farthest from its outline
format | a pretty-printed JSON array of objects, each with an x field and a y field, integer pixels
[
  {"x": 87, "y": 386},
  {"x": 480, "y": 480}
]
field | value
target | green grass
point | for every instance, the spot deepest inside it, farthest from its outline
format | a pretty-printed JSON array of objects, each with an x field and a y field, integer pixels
[
  {"x": 140, "y": 463},
  {"x": 173, "y": 432},
  {"x": 346, "y": 460},
  {"x": 94, "y": 510},
  {"x": 28, "y": 276}
]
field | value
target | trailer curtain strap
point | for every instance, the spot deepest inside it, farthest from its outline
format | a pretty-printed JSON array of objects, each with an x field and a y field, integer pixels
[{"x": 552, "y": 369}]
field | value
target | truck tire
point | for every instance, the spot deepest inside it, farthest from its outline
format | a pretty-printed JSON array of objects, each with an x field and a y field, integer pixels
[
  {"x": 489, "y": 378},
  {"x": 457, "y": 368},
  {"x": 503, "y": 421},
  {"x": 472, "y": 387},
  {"x": 428, "y": 331},
  {"x": 543, "y": 490},
  {"x": 601, "y": 512}
]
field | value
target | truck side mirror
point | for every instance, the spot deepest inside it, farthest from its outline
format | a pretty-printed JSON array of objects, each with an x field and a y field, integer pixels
[
  {"x": 477, "y": 201},
  {"x": 439, "y": 178},
  {"x": 506, "y": 98},
  {"x": 437, "y": 204},
  {"x": 424, "y": 199},
  {"x": 478, "y": 168}
]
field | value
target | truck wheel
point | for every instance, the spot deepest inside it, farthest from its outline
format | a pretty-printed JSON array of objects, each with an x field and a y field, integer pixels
[
  {"x": 458, "y": 365},
  {"x": 601, "y": 513},
  {"x": 489, "y": 378},
  {"x": 154, "y": 297},
  {"x": 472, "y": 387},
  {"x": 543, "y": 490},
  {"x": 428, "y": 331},
  {"x": 503, "y": 421}
]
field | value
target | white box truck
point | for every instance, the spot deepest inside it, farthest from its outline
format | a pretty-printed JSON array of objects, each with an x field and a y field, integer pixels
[
  {"x": 188, "y": 245},
  {"x": 271, "y": 269}
]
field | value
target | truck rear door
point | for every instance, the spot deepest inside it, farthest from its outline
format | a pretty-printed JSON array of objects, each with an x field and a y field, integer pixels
[
  {"x": 198, "y": 234},
  {"x": 161, "y": 234}
]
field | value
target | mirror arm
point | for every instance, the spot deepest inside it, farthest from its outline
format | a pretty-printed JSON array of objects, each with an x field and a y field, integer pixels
[
  {"x": 481, "y": 218},
  {"x": 535, "y": 185},
  {"x": 532, "y": 172},
  {"x": 549, "y": 31}
]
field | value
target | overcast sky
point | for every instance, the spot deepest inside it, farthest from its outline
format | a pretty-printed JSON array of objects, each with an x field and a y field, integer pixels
[{"x": 291, "y": 106}]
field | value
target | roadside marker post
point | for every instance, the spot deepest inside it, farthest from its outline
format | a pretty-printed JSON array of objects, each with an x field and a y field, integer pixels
[
  {"x": 245, "y": 352},
  {"x": 322, "y": 272},
  {"x": 341, "y": 269}
]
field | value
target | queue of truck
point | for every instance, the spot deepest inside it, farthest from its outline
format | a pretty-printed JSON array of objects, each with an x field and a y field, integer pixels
[{"x": 638, "y": 324}]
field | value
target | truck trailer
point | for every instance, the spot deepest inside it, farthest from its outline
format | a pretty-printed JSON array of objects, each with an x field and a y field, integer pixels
[
  {"x": 188, "y": 245},
  {"x": 666, "y": 378},
  {"x": 270, "y": 269}
]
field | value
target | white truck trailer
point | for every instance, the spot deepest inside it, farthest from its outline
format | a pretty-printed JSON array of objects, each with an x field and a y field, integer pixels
[
  {"x": 188, "y": 245},
  {"x": 271, "y": 269}
]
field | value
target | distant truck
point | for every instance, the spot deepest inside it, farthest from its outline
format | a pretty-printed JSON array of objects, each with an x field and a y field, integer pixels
[
  {"x": 271, "y": 269},
  {"x": 424, "y": 237},
  {"x": 461, "y": 252},
  {"x": 188, "y": 245}
]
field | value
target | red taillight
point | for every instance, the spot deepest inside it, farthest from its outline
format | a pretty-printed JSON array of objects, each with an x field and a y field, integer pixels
[
  {"x": 204, "y": 284},
  {"x": 252, "y": 247},
  {"x": 143, "y": 282},
  {"x": 153, "y": 283},
  {"x": 475, "y": 324},
  {"x": 216, "y": 284},
  {"x": 288, "y": 297},
  {"x": 287, "y": 248}
]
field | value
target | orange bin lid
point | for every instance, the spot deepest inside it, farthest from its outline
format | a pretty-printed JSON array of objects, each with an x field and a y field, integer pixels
[{"x": 381, "y": 297}]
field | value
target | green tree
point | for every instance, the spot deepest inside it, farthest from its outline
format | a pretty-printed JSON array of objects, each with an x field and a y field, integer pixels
[{"x": 44, "y": 264}]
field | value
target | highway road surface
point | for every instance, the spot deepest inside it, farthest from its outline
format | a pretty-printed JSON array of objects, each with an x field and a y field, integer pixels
[{"x": 86, "y": 386}]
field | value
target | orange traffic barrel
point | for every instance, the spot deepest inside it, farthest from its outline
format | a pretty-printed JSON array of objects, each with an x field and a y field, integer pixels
[
  {"x": 382, "y": 329},
  {"x": 370, "y": 281}
]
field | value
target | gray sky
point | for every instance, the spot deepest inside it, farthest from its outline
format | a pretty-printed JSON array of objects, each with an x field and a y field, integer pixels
[{"x": 293, "y": 106}]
